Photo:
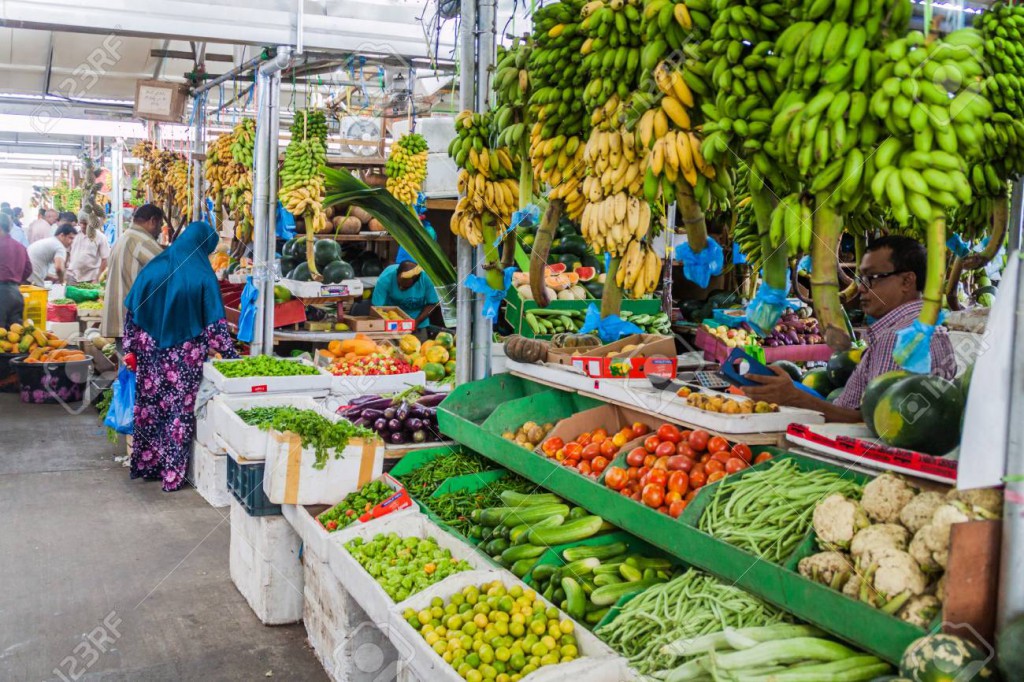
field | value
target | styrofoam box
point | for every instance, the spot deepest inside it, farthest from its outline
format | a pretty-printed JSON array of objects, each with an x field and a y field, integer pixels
[
  {"x": 340, "y": 475},
  {"x": 597, "y": 662},
  {"x": 209, "y": 475},
  {"x": 252, "y": 442},
  {"x": 265, "y": 566},
  {"x": 302, "y": 289},
  {"x": 442, "y": 176},
  {"x": 370, "y": 595},
  {"x": 206, "y": 431},
  {"x": 347, "y": 388},
  {"x": 318, "y": 384},
  {"x": 316, "y": 539},
  {"x": 439, "y": 131}
]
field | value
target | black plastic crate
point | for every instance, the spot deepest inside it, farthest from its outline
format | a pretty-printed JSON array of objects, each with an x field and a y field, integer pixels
[{"x": 245, "y": 481}]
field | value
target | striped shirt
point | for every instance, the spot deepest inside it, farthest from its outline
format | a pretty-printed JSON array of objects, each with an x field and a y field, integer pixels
[
  {"x": 877, "y": 359},
  {"x": 131, "y": 252}
]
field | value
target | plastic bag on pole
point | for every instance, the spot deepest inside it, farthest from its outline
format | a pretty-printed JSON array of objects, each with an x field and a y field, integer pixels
[
  {"x": 913, "y": 349},
  {"x": 767, "y": 307},
  {"x": 247, "y": 311},
  {"x": 609, "y": 329},
  {"x": 492, "y": 297},
  {"x": 699, "y": 267},
  {"x": 285, "y": 227},
  {"x": 121, "y": 414}
]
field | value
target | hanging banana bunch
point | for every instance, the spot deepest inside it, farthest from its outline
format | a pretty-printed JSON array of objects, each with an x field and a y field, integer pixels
[
  {"x": 91, "y": 201},
  {"x": 406, "y": 168},
  {"x": 179, "y": 178},
  {"x": 237, "y": 184},
  {"x": 221, "y": 170},
  {"x": 302, "y": 178},
  {"x": 511, "y": 86}
]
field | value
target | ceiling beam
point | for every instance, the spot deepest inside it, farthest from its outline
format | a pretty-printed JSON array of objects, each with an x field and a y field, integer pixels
[
  {"x": 49, "y": 63},
  {"x": 181, "y": 54}
]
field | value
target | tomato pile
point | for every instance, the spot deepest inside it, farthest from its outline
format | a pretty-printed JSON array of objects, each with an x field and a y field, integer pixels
[
  {"x": 666, "y": 472},
  {"x": 591, "y": 452},
  {"x": 370, "y": 365}
]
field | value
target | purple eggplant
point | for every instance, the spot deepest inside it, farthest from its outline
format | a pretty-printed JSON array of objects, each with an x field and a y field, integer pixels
[
  {"x": 396, "y": 438},
  {"x": 402, "y": 412},
  {"x": 419, "y": 436},
  {"x": 432, "y": 400},
  {"x": 362, "y": 421},
  {"x": 413, "y": 424},
  {"x": 363, "y": 399},
  {"x": 390, "y": 413},
  {"x": 394, "y": 425},
  {"x": 381, "y": 424},
  {"x": 372, "y": 414}
]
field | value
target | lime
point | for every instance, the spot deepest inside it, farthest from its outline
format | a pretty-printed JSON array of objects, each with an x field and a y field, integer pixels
[
  {"x": 568, "y": 650},
  {"x": 517, "y": 661},
  {"x": 473, "y": 660}
]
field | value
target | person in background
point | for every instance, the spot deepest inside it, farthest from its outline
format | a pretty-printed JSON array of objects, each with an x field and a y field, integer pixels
[
  {"x": 405, "y": 286},
  {"x": 890, "y": 282},
  {"x": 51, "y": 251},
  {"x": 15, "y": 268},
  {"x": 89, "y": 253},
  {"x": 66, "y": 218},
  {"x": 42, "y": 227},
  {"x": 135, "y": 248},
  {"x": 17, "y": 229},
  {"x": 174, "y": 320}
]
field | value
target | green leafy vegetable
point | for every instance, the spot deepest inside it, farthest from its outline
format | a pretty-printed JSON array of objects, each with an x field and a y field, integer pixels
[
  {"x": 314, "y": 429},
  {"x": 263, "y": 366}
]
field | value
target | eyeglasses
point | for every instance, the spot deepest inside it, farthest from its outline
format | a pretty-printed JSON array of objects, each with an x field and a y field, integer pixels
[{"x": 868, "y": 281}]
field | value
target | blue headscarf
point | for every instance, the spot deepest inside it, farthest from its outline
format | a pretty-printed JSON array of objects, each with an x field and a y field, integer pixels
[{"x": 176, "y": 295}]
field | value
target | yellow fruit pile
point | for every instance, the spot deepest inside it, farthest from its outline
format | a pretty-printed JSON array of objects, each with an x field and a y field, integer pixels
[
  {"x": 487, "y": 181},
  {"x": 406, "y": 168},
  {"x": 26, "y": 338}
]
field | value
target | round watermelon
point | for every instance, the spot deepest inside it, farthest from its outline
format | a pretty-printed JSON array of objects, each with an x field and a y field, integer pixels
[
  {"x": 941, "y": 657},
  {"x": 818, "y": 380},
  {"x": 873, "y": 393},
  {"x": 300, "y": 273},
  {"x": 337, "y": 271},
  {"x": 841, "y": 365},
  {"x": 917, "y": 413},
  {"x": 326, "y": 251},
  {"x": 1011, "y": 649},
  {"x": 835, "y": 393},
  {"x": 791, "y": 368}
]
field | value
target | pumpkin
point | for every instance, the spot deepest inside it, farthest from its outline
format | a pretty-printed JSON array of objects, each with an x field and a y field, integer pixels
[{"x": 521, "y": 349}]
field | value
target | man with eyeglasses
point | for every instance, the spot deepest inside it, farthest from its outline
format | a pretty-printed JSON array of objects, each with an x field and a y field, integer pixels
[{"x": 890, "y": 281}]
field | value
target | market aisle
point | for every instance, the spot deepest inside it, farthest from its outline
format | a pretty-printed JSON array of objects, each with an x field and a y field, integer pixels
[{"x": 80, "y": 544}]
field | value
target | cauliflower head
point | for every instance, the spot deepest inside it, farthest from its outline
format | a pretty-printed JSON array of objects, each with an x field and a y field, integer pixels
[
  {"x": 885, "y": 497},
  {"x": 869, "y": 542},
  {"x": 921, "y": 549},
  {"x": 837, "y": 519},
  {"x": 921, "y": 610},
  {"x": 919, "y": 511},
  {"x": 985, "y": 502},
  {"x": 828, "y": 568},
  {"x": 896, "y": 572}
]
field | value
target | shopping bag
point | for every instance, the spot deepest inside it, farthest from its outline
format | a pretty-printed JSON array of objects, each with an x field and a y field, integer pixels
[{"x": 121, "y": 414}]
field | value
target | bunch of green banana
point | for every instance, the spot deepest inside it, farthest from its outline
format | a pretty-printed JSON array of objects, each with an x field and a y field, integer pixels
[
  {"x": 1002, "y": 24},
  {"x": 487, "y": 181},
  {"x": 611, "y": 52},
  {"x": 668, "y": 25},
  {"x": 310, "y": 123},
  {"x": 244, "y": 142},
  {"x": 791, "y": 226},
  {"x": 406, "y": 167},
  {"x": 302, "y": 182},
  {"x": 238, "y": 199},
  {"x": 745, "y": 232},
  {"x": 1001, "y": 27},
  {"x": 511, "y": 86}
]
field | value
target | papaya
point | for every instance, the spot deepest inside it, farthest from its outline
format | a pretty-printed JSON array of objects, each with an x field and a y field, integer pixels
[
  {"x": 873, "y": 393},
  {"x": 918, "y": 413},
  {"x": 409, "y": 344},
  {"x": 40, "y": 337},
  {"x": 13, "y": 337},
  {"x": 445, "y": 339},
  {"x": 25, "y": 344},
  {"x": 434, "y": 371},
  {"x": 17, "y": 328},
  {"x": 436, "y": 354}
]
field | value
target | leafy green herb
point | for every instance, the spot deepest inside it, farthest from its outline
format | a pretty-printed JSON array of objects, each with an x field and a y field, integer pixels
[
  {"x": 315, "y": 430},
  {"x": 263, "y": 366},
  {"x": 455, "y": 507}
]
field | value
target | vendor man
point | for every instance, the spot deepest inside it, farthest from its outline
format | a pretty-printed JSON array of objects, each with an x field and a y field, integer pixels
[
  {"x": 890, "y": 282},
  {"x": 404, "y": 285}
]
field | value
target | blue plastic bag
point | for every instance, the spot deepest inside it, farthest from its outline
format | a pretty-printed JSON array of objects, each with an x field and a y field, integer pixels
[
  {"x": 913, "y": 349},
  {"x": 958, "y": 246},
  {"x": 285, "y": 223},
  {"x": 767, "y": 307},
  {"x": 247, "y": 311},
  {"x": 492, "y": 297},
  {"x": 699, "y": 267},
  {"x": 804, "y": 265},
  {"x": 121, "y": 414},
  {"x": 609, "y": 329}
]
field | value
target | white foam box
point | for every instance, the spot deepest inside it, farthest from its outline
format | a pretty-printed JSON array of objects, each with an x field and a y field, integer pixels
[
  {"x": 318, "y": 384},
  {"x": 249, "y": 441},
  {"x": 265, "y": 566},
  {"x": 315, "y": 538},
  {"x": 347, "y": 388},
  {"x": 344, "y": 288},
  {"x": 367, "y": 591},
  {"x": 597, "y": 662},
  {"x": 438, "y": 131},
  {"x": 209, "y": 475},
  {"x": 442, "y": 176},
  {"x": 206, "y": 430}
]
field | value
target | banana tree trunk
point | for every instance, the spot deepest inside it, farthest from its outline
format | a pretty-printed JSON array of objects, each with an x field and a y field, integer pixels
[
  {"x": 611, "y": 299},
  {"x": 693, "y": 218},
  {"x": 541, "y": 248},
  {"x": 935, "y": 243},
  {"x": 775, "y": 262},
  {"x": 1000, "y": 218},
  {"x": 828, "y": 227}
]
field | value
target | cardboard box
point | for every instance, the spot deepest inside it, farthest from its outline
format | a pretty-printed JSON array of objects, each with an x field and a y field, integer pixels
[
  {"x": 656, "y": 355},
  {"x": 612, "y": 418},
  {"x": 364, "y": 324},
  {"x": 406, "y": 325}
]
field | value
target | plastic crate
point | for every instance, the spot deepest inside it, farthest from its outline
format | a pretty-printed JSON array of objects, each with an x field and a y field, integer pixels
[
  {"x": 245, "y": 481},
  {"x": 36, "y": 299}
]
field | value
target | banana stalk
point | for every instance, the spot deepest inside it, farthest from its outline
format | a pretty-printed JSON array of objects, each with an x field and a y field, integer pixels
[
  {"x": 775, "y": 262},
  {"x": 828, "y": 227},
  {"x": 693, "y": 217},
  {"x": 611, "y": 299},
  {"x": 314, "y": 274},
  {"x": 541, "y": 248},
  {"x": 1000, "y": 217},
  {"x": 493, "y": 272},
  {"x": 525, "y": 197},
  {"x": 850, "y": 292},
  {"x": 952, "y": 284},
  {"x": 935, "y": 244}
]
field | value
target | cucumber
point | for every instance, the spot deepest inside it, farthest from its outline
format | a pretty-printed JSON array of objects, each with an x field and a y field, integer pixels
[
  {"x": 595, "y": 617},
  {"x": 573, "y": 531},
  {"x": 514, "y": 516},
  {"x": 606, "y": 579},
  {"x": 558, "y": 595},
  {"x": 578, "y": 569},
  {"x": 631, "y": 573},
  {"x": 476, "y": 532},
  {"x": 575, "y": 597},
  {"x": 496, "y": 546},
  {"x": 597, "y": 551},
  {"x": 643, "y": 563},
  {"x": 607, "y": 595},
  {"x": 517, "y": 552},
  {"x": 543, "y": 572},
  {"x": 523, "y": 566},
  {"x": 549, "y": 592},
  {"x": 608, "y": 567},
  {"x": 577, "y": 513},
  {"x": 521, "y": 533},
  {"x": 514, "y": 499}
]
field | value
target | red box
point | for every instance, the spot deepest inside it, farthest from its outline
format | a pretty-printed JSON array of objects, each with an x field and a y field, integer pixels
[
  {"x": 656, "y": 355},
  {"x": 64, "y": 312},
  {"x": 406, "y": 325},
  {"x": 715, "y": 350}
]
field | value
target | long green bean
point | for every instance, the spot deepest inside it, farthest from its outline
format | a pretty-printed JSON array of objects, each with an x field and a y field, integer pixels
[
  {"x": 768, "y": 512},
  {"x": 422, "y": 482}
]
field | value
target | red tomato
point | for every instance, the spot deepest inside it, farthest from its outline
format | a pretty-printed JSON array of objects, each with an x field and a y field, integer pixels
[
  {"x": 722, "y": 456},
  {"x": 636, "y": 457},
  {"x": 598, "y": 435},
  {"x": 552, "y": 445},
  {"x": 713, "y": 465},
  {"x": 639, "y": 429},
  {"x": 584, "y": 468},
  {"x": 649, "y": 461},
  {"x": 637, "y": 496},
  {"x": 590, "y": 451},
  {"x": 675, "y": 509},
  {"x": 583, "y": 439},
  {"x": 573, "y": 449},
  {"x": 634, "y": 473},
  {"x": 698, "y": 440},
  {"x": 735, "y": 464},
  {"x": 684, "y": 449},
  {"x": 672, "y": 496},
  {"x": 763, "y": 457},
  {"x": 626, "y": 492},
  {"x": 680, "y": 463},
  {"x": 669, "y": 432},
  {"x": 643, "y": 474},
  {"x": 690, "y": 495},
  {"x": 651, "y": 443},
  {"x": 665, "y": 449},
  {"x": 698, "y": 479},
  {"x": 599, "y": 464},
  {"x": 704, "y": 458},
  {"x": 660, "y": 463},
  {"x": 608, "y": 447},
  {"x": 658, "y": 477},
  {"x": 716, "y": 476},
  {"x": 653, "y": 495},
  {"x": 663, "y": 509},
  {"x": 742, "y": 450},
  {"x": 679, "y": 482},
  {"x": 717, "y": 444},
  {"x": 684, "y": 435}
]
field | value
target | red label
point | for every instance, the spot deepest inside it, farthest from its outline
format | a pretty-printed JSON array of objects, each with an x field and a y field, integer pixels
[{"x": 259, "y": 389}]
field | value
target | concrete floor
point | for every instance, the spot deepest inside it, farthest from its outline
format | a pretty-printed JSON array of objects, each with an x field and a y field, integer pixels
[{"x": 84, "y": 551}]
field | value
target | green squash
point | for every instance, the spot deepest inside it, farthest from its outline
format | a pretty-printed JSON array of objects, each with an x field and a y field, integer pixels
[{"x": 945, "y": 658}]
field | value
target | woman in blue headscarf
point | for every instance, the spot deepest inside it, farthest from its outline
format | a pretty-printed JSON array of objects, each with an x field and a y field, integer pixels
[{"x": 175, "y": 319}]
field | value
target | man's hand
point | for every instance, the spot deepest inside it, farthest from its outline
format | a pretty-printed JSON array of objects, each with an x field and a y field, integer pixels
[{"x": 774, "y": 389}]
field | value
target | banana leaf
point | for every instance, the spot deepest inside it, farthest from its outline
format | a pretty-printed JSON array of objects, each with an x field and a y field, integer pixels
[{"x": 345, "y": 190}]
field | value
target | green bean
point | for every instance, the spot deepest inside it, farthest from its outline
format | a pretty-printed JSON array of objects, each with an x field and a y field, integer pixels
[{"x": 422, "y": 482}]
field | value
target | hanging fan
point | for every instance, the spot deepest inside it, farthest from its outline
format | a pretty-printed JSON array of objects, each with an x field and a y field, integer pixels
[{"x": 360, "y": 128}]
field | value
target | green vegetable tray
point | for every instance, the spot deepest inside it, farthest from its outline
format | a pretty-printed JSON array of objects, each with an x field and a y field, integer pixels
[
  {"x": 469, "y": 483},
  {"x": 420, "y": 458},
  {"x": 464, "y": 417},
  {"x": 516, "y": 309},
  {"x": 317, "y": 384}
]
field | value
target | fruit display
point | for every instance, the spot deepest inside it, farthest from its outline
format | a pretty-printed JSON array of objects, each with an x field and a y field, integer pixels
[
  {"x": 238, "y": 196},
  {"x": 562, "y": 285},
  {"x": 406, "y": 167},
  {"x": 355, "y": 504},
  {"x": 466, "y": 631},
  {"x": 529, "y": 435},
  {"x": 711, "y": 401},
  {"x": 549, "y": 321},
  {"x": 733, "y": 337},
  {"x": 406, "y": 417},
  {"x": 315, "y": 430},
  {"x": 889, "y": 546},
  {"x": 454, "y": 508},
  {"x": 56, "y": 355},
  {"x": 659, "y": 324},
  {"x": 671, "y": 465},
  {"x": 327, "y": 259},
  {"x": 591, "y": 578},
  {"x": 25, "y": 337},
  {"x": 436, "y": 357},
  {"x": 372, "y": 364},
  {"x": 591, "y": 452},
  {"x": 166, "y": 175},
  {"x": 487, "y": 181},
  {"x": 263, "y": 366},
  {"x": 302, "y": 182},
  {"x": 404, "y": 566}
]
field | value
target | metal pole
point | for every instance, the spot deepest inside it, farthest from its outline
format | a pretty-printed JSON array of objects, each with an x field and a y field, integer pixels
[
  {"x": 300, "y": 25},
  {"x": 274, "y": 125},
  {"x": 198, "y": 147},
  {"x": 464, "y": 252},
  {"x": 1016, "y": 225},
  {"x": 482, "y": 330},
  {"x": 244, "y": 66},
  {"x": 117, "y": 169}
]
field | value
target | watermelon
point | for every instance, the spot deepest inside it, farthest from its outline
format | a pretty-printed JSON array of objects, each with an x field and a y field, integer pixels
[
  {"x": 294, "y": 248},
  {"x": 300, "y": 273},
  {"x": 841, "y": 365},
  {"x": 371, "y": 266},
  {"x": 817, "y": 379},
  {"x": 964, "y": 380},
  {"x": 325, "y": 252},
  {"x": 917, "y": 413},
  {"x": 1011, "y": 649},
  {"x": 791, "y": 368},
  {"x": 337, "y": 271},
  {"x": 586, "y": 274},
  {"x": 834, "y": 393},
  {"x": 569, "y": 261},
  {"x": 288, "y": 264},
  {"x": 556, "y": 268},
  {"x": 594, "y": 288},
  {"x": 941, "y": 658},
  {"x": 873, "y": 393}
]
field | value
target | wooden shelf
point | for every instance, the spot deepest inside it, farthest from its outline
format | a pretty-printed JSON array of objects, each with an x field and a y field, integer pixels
[
  {"x": 360, "y": 237},
  {"x": 441, "y": 204}
]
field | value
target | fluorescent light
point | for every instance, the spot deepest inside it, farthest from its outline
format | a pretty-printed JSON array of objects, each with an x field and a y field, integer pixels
[{"x": 50, "y": 122}]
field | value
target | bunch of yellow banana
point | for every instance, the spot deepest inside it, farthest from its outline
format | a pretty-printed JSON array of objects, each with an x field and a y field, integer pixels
[
  {"x": 483, "y": 199},
  {"x": 154, "y": 167},
  {"x": 244, "y": 142},
  {"x": 613, "y": 223},
  {"x": 640, "y": 270},
  {"x": 179, "y": 180},
  {"x": 406, "y": 167},
  {"x": 238, "y": 198}
]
